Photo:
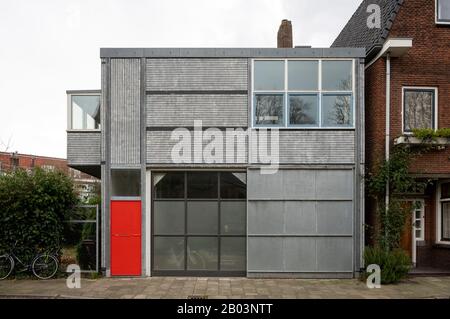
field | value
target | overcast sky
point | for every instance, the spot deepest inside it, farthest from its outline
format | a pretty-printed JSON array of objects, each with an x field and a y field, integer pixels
[{"x": 49, "y": 46}]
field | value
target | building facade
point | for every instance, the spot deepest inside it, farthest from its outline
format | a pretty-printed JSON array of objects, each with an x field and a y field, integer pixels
[
  {"x": 237, "y": 162},
  {"x": 85, "y": 185},
  {"x": 407, "y": 88}
]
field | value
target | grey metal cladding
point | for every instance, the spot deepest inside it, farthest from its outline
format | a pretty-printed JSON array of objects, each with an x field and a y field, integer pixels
[
  {"x": 304, "y": 216},
  {"x": 300, "y": 218},
  {"x": 125, "y": 111},
  {"x": 180, "y": 110},
  {"x": 104, "y": 90},
  {"x": 299, "y": 254},
  {"x": 196, "y": 74},
  {"x": 160, "y": 145},
  {"x": 335, "y": 254},
  {"x": 313, "y": 147},
  {"x": 84, "y": 148},
  {"x": 301, "y": 185}
]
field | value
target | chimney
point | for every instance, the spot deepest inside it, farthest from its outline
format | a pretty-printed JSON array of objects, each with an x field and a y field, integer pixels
[{"x": 284, "y": 38}]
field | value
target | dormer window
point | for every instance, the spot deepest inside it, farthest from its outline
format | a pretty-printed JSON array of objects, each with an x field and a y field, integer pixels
[{"x": 443, "y": 11}]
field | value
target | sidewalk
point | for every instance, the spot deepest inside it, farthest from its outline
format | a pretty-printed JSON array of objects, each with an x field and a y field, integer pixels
[{"x": 174, "y": 287}]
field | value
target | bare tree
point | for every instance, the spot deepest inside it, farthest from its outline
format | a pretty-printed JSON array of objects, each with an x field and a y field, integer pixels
[{"x": 5, "y": 147}]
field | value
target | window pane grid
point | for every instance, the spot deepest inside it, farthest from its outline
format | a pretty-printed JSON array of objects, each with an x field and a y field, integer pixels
[
  {"x": 195, "y": 249},
  {"x": 276, "y": 115}
]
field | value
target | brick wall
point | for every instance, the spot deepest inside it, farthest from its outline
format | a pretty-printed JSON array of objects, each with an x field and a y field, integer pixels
[{"x": 426, "y": 64}]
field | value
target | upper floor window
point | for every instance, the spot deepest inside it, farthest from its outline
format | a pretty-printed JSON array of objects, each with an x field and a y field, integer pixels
[
  {"x": 419, "y": 108},
  {"x": 443, "y": 11},
  {"x": 84, "y": 111},
  {"x": 303, "y": 93}
]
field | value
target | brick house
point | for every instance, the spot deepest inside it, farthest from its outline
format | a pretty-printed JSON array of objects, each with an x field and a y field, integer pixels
[
  {"x": 85, "y": 184},
  {"x": 407, "y": 86}
]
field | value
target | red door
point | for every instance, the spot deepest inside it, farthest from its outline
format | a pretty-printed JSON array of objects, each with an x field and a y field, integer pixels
[{"x": 125, "y": 238}]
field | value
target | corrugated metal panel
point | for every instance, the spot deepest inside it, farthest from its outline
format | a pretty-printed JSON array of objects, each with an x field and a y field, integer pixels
[
  {"x": 312, "y": 147},
  {"x": 83, "y": 148},
  {"x": 301, "y": 221},
  {"x": 104, "y": 88},
  {"x": 215, "y": 110},
  {"x": 160, "y": 145},
  {"x": 301, "y": 185},
  {"x": 196, "y": 74},
  {"x": 125, "y": 111}
]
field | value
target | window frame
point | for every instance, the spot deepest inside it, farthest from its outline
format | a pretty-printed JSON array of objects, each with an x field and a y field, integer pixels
[
  {"x": 439, "y": 225},
  {"x": 286, "y": 92},
  {"x": 437, "y": 20},
  {"x": 69, "y": 110},
  {"x": 435, "y": 108}
]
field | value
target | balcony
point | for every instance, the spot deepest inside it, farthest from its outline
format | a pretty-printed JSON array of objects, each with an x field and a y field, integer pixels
[{"x": 84, "y": 131}]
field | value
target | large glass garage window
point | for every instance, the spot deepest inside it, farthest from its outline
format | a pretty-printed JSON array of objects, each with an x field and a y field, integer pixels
[{"x": 199, "y": 223}]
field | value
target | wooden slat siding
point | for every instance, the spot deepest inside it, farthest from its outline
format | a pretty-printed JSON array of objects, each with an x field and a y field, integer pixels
[
  {"x": 159, "y": 148},
  {"x": 125, "y": 112},
  {"x": 314, "y": 147},
  {"x": 83, "y": 148},
  {"x": 215, "y": 110},
  {"x": 196, "y": 74}
]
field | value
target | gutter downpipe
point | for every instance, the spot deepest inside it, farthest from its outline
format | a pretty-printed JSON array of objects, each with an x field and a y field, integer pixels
[{"x": 388, "y": 125}]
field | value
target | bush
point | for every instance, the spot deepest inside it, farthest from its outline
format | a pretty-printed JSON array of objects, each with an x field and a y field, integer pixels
[
  {"x": 34, "y": 206},
  {"x": 443, "y": 132},
  {"x": 425, "y": 133},
  {"x": 394, "y": 264}
]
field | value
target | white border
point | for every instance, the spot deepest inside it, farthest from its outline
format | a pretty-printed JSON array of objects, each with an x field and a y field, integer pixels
[
  {"x": 436, "y": 20},
  {"x": 438, "y": 212},
  {"x": 436, "y": 105},
  {"x": 286, "y": 91}
]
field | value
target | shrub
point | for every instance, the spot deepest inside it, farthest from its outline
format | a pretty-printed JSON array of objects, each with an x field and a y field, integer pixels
[
  {"x": 395, "y": 264},
  {"x": 425, "y": 133},
  {"x": 34, "y": 206},
  {"x": 443, "y": 132}
]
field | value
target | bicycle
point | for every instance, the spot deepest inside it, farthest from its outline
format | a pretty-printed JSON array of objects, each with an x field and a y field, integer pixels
[{"x": 43, "y": 266}]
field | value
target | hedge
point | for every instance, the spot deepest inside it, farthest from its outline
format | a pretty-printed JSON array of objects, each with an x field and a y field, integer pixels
[{"x": 33, "y": 207}]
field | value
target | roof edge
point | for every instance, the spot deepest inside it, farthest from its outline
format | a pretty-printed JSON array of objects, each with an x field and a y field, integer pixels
[{"x": 231, "y": 52}]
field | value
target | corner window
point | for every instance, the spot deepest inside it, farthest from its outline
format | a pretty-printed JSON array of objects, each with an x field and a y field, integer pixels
[
  {"x": 443, "y": 11},
  {"x": 444, "y": 216},
  {"x": 419, "y": 108},
  {"x": 84, "y": 112},
  {"x": 303, "y": 93}
]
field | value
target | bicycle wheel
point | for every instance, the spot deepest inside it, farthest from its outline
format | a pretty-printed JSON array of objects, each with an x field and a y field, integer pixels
[
  {"x": 45, "y": 266},
  {"x": 6, "y": 266}
]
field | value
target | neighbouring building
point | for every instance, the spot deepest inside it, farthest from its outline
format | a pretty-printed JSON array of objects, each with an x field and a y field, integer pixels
[
  {"x": 86, "y": 186},
  {"x": 408, "y": 87},
  {"x": 172, "y": 210}
]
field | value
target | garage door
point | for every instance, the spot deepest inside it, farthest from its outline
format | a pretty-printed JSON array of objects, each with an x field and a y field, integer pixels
[
  {"x": 300, "y": 221},
  {"x": 199, "y": 223}
]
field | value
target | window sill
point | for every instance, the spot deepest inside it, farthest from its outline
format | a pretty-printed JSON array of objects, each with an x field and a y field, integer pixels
[
  {"x": 411, "y": 140},
  {"x": 299, "y": 128}
]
